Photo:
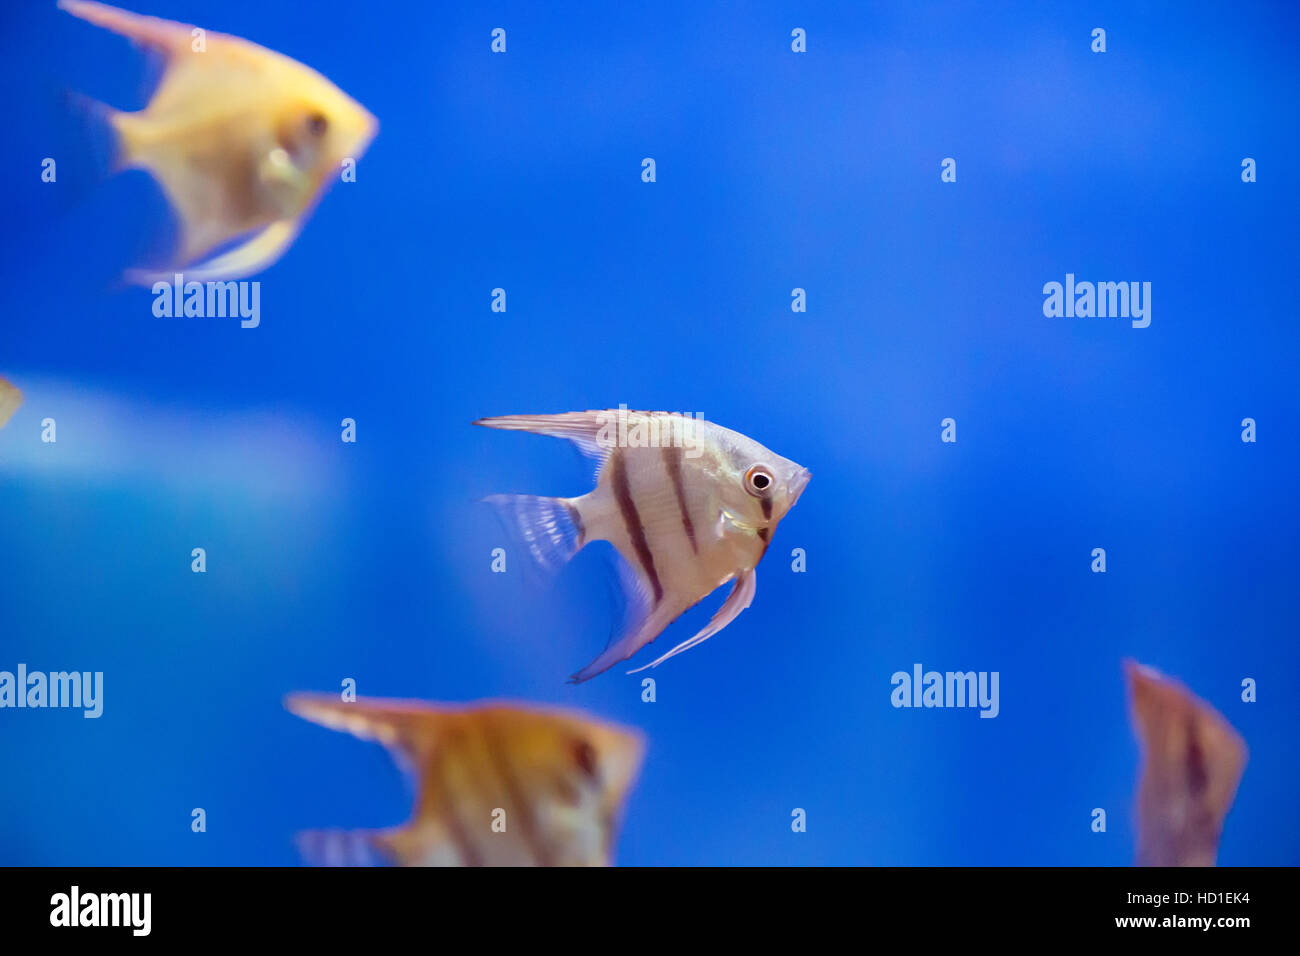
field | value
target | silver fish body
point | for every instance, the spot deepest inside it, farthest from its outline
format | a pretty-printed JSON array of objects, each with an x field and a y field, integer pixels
[{"x": 688, "y": 504}]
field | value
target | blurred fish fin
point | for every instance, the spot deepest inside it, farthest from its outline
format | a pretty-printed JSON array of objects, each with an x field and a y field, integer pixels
[
  {"x": 406, "y": 728},
  {"x": 550, "y": 528},
  {"x": 741, "y": 596},
  {"x": 591, "y": 431},
  {"x": 256, "y": 253},
  {"x": 1192, "y": 762},
  {"x": 155, "y": 32},
  {"x": 10, "y": 399},
  {"x": 132, "y": 136},
  {"x": 102, "y": 120},
  {"x": 345, "y": 848}
]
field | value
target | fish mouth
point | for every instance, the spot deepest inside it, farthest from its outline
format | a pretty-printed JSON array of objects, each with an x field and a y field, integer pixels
[
  {"x": 364, "y": 129},
  {"x": 799, "y": 483}
]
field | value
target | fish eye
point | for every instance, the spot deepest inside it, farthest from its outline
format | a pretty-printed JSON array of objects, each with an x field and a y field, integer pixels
[
  {"x": 584, "y": 755},
  {"x": 758, "y": 480},
  {"x": 317, "y": 124}
]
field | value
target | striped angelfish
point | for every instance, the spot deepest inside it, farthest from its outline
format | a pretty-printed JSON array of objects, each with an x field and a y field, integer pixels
[
  {"x": 10, "y": 399},
  {"x": 689, "y": 505},
  {"x": 496, "y": 784}
]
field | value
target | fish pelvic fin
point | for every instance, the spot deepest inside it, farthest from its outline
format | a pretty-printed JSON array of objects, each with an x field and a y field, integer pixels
[
  {"x": 256, "y": 253},
  {"x": 741, "y": 596},
  {"x": 551, "y": 528}
]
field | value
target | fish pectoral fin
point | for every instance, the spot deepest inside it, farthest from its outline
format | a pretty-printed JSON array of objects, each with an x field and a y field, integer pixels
[
  {"x": 729, "y": 523},
  {"x": 741, "y": 596},
  {"x": 250, "y": 257}
]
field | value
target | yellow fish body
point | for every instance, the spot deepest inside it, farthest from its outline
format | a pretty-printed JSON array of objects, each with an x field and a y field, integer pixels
[
  {"x": 496, "y": 784},
  {"x": 242, "y": 140},
  {"x": 1192, "y": 761},
  {"x": 688, "y": 504},
  {"x": 10, "y": 399}
]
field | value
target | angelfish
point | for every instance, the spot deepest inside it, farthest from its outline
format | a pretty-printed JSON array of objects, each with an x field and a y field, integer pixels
[
  {"x": 688, "y": 504},
  {"x": 1192, "y": 761},
  {"x": 10, "y": 399},
  {"x": 496, "y": 784},
  {"x": 242, "y": 140}
]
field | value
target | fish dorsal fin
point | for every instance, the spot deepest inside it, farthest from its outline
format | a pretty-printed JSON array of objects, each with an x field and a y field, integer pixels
[
  {"x": 164, "y": 36},
  {"x": 405, "y": 728},
  {"x": 10, "y": 399},
  {"x": 590, "y": 431},
  {"x": 238, "y": 66}
]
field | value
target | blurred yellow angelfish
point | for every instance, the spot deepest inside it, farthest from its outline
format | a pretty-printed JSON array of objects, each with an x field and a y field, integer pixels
[{"x": 242, "y": 140}]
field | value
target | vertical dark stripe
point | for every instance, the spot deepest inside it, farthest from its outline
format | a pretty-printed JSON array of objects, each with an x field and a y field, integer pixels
[
  {"x": 522, "y": 808},
  {"x": 632, "y": 520},
  {"x": 766, "y": 502},
  {"x": 673, "y": 462},
  {"x": 464, "y": 843},
  {"x": 576, "y": 518}
]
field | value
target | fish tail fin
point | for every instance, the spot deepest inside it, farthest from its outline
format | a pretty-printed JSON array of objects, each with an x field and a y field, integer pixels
[
  {"x": 117, "y": 138},
  {"x": 98, "y": 137},
  {"x": 132, "y": 133},
  {"x": 345, "y": 848},
  {"x": 551, "y": 528}
]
